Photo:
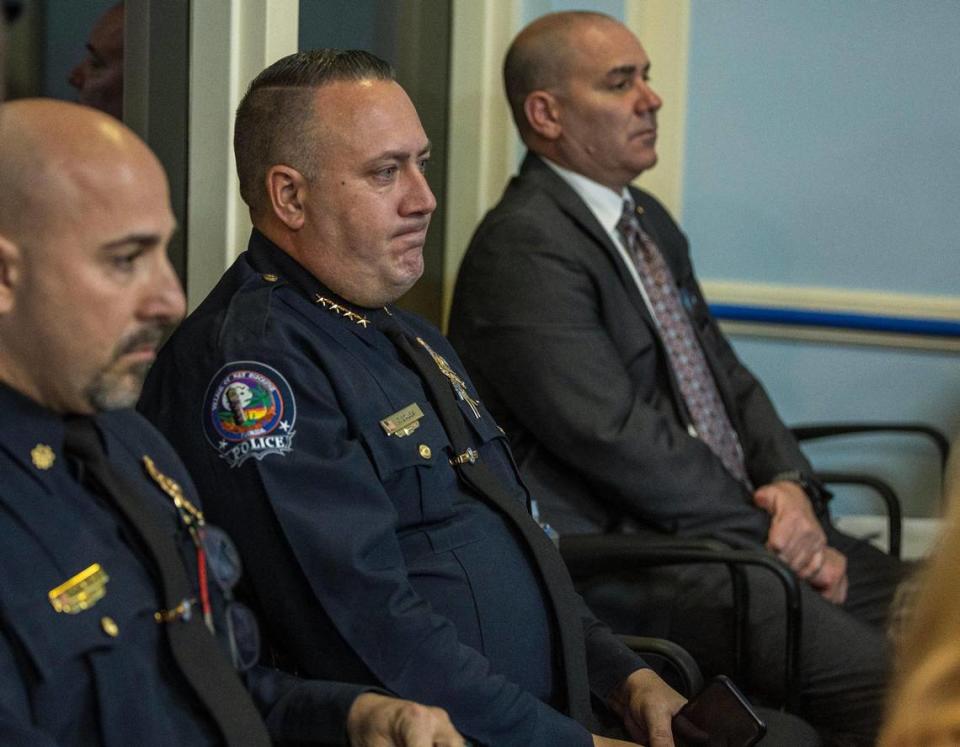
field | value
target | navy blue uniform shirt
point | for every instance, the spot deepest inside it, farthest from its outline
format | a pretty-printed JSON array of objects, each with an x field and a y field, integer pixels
[
  {"x": 318, "y": 450},
  {"x": 104, "y": 675}
]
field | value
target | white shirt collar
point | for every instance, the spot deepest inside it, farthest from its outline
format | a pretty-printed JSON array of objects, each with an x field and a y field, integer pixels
[
  {"x": 607, "y": 207},
  {"x": 605, "y": 204}
]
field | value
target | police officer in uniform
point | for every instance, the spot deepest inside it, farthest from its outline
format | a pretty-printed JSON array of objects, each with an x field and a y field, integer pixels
[
  {"x": 340, "y": 442},
  {"x": 113, "y": 581}
]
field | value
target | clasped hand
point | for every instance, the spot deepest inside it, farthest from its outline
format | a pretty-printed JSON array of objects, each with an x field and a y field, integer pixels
[{"x": 798, "y": 539}]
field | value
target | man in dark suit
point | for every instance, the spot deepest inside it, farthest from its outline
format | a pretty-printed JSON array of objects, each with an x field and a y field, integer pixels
[
  {"x": 117, "y": 622},
  {"x": 578, "y": 314},
  {"x": 339, "y": 440}
]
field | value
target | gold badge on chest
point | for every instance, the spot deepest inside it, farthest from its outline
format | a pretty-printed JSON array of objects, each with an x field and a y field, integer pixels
[
  {"x": 402, "y": 422},
  {"x": 80, "y": 592}
]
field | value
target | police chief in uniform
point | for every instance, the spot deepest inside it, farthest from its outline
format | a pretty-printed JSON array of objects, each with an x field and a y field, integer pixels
[
  {"x": 340, "y": 442},
  {"x": 113, "y": 581}
]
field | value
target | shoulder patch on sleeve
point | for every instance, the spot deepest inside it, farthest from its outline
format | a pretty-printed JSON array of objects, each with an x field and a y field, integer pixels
[{"x": 249, "y": 411}]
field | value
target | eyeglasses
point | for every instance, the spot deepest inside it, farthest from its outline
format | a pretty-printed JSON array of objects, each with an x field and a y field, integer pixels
[{"x": 223, "y": 562}]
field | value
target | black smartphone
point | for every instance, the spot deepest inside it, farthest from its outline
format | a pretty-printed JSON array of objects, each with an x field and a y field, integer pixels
[{"x": 719, "y": 716}]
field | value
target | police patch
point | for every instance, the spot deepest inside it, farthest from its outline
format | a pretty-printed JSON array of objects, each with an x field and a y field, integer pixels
[{"x": 249, "y": 411}]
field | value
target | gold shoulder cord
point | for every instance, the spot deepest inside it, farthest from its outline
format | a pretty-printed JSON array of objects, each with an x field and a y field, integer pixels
[
  {"x": 192, "y": 517},
  {"x": 190, "y": 514}
]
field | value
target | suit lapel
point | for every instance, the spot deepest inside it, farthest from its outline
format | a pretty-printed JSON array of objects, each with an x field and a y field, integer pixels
[{"x": 569, "y": 202}]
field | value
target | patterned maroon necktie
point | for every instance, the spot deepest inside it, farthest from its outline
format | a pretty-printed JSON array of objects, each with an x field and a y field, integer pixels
[{"x": 697, "y": 385}]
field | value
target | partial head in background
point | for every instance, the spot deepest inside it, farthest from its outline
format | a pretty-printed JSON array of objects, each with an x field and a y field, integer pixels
[
  {"x": 578, "y": 87},
  {"x": 99, "y": 77},
  {"x": 86, "y": 289},
  {"x": 331, "y": 158}
]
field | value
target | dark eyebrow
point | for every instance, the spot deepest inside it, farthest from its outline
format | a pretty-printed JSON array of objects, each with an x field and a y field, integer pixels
[{"x": 622, "y": 70}]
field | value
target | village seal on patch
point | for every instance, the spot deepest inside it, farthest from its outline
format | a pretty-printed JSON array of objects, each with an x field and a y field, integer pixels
[{"x": 249, "y": 411}]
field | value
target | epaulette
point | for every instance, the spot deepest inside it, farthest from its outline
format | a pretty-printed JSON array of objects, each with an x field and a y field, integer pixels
[{"x": 249, "y": 309}]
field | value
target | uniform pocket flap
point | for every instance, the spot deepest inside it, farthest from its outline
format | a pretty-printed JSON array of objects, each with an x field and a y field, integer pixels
[
  {"x": 116, "y": 603},
  {"x": 424, "y": 445}
]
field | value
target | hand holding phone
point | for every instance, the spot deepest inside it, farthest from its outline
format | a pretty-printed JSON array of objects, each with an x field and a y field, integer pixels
[{"x": 719, "y": 716}]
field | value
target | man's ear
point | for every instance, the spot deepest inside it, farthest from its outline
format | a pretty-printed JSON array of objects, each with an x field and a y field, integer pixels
[
  {"x": 543, "y": 114},
  {"x": 9, "y": 273},
  {"x": 285, "y": 188}
]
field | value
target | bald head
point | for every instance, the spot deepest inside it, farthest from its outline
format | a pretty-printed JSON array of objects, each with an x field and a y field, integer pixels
[
  {"x": 542, "y": 55},
  {"x": 53, "y": 158},
  {"x": 579, "y": 88},
  {"x": 86, "y": 290}
]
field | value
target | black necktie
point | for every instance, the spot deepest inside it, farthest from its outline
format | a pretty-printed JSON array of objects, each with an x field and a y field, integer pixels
[
  {"x": 476, "y": 475},
  {"x": 195, "y": 650}
]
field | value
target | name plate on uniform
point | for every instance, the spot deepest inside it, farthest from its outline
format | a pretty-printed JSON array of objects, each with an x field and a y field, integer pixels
[
  {"x": 403, "y": 422},
  {"x": 80, "y": 592}
]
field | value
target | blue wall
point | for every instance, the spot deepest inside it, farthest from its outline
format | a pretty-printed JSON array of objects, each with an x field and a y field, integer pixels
[
  {"x": 823, "y": 148},
  {"x": 823, "y": 142}
]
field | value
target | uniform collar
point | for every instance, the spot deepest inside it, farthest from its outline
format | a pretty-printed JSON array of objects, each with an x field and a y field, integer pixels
[
  {"x": 276, "y": 265},
  {"x": 32, "y": 435}
]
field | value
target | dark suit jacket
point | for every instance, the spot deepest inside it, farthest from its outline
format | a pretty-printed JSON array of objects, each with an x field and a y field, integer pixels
[
  {"x": 368, "y": 560},
  {"x": 565, "y": 354}
]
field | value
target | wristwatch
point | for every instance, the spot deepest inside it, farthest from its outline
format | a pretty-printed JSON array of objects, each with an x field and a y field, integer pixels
[{"x": 815, "y": 490}]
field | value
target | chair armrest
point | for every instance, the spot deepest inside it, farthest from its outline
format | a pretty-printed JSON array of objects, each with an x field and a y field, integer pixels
[
  {"x": 675, "y": 655},
  {"x": 885, "y": 491},
  {"x": 808, "y": 432},
  {"x": 588, "y": 555}
]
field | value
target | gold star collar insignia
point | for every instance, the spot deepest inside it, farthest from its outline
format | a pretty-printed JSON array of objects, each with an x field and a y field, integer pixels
[
  {"x": 341, "y": 310},
  {"x": 42, "y": 456}
]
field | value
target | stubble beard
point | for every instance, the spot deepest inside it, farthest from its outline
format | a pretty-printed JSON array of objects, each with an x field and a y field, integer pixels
[{"x": 117, "y": 386}]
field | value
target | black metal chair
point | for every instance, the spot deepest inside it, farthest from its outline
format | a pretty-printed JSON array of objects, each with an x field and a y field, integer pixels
[
  {"x": 891, "y": 501},
  {"x": 604, "y": 555},
  {"x": 594, "y": 556},
  {"x": 688, "y": 675}
]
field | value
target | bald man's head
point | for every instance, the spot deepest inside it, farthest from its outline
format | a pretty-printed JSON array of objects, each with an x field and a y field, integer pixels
[
  {"x": 539, "y": 59},
  {"x": 86, "y": 289},
  {"x": 579, "y": 89},
  {"x": 51, "y": 151}
]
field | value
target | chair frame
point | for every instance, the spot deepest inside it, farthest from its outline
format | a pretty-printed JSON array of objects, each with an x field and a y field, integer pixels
[
  {"x": 677, "y": 656},
  {"x": 589, "y": 556}
]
